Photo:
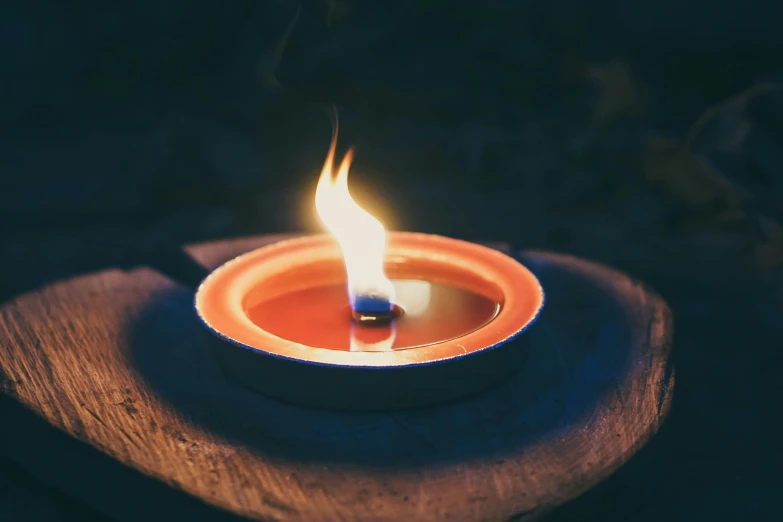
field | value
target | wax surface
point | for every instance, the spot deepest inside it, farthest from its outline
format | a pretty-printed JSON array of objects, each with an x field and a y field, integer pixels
[{"x": 320, "y": 316}]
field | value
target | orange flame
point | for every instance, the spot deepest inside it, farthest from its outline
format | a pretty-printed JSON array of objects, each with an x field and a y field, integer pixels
[{"x": 361, "y": 237}]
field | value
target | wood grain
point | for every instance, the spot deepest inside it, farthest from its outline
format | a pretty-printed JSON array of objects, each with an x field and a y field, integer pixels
[{"x": 112, "y": 396}]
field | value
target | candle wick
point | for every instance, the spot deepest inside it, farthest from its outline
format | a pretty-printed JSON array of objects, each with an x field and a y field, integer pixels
[{"x": 376, "y": 317}]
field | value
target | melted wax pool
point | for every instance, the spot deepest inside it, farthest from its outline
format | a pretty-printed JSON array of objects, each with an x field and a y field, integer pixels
[{"x": 320, "y": 317}]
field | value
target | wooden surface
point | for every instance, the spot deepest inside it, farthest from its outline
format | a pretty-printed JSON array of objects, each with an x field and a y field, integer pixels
[{"x": 112, "y": 396}]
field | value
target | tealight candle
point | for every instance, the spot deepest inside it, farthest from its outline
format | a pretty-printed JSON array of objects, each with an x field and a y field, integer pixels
[{"x": 362, "y": 319}]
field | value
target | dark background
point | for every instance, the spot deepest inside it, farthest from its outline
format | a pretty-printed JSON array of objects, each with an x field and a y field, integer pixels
[{"x": 645, "y": 134}]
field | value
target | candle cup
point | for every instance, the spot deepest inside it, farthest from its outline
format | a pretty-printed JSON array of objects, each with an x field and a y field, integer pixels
[{"x": 291, "y": 334}]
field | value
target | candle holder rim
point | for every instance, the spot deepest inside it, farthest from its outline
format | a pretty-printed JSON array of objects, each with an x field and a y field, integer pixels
[{"x": 414, "y": 236}]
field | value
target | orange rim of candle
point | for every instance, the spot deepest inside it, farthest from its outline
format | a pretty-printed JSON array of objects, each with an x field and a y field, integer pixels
[{"x": 220, "y": 298}]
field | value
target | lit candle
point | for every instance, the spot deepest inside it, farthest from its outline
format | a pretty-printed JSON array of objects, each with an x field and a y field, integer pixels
[{"x": 341, "y": 319}]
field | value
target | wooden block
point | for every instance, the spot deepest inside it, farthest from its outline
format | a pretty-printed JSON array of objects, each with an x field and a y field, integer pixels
[{"x": 112, "y": 395}]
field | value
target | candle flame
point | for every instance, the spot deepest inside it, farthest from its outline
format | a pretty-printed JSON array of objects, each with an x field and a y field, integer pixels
[{"x": 361, "y": 237}]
